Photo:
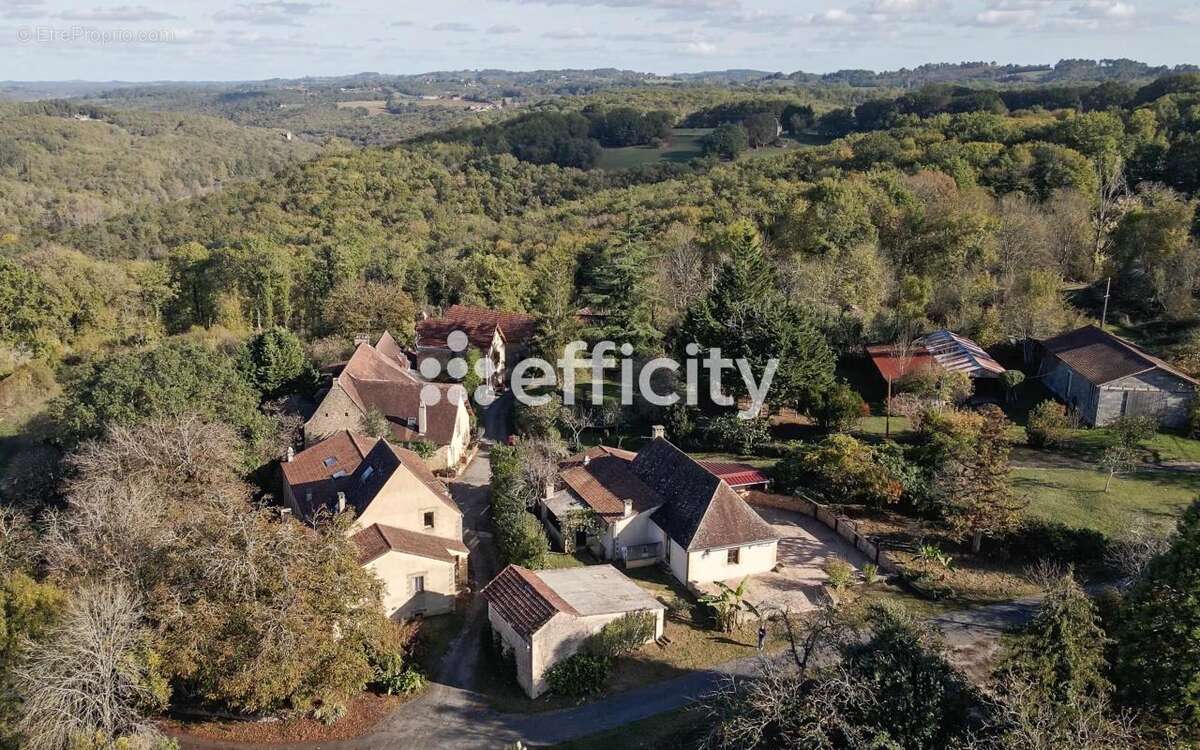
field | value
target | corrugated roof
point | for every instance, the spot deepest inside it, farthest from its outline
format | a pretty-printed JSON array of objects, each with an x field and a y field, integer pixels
[
  {"x": 894, "y": 363},
  {"x": 956, "y": 353},
  {"x": 1101, "y": 357},
  {"x": 735, "y": 474}
]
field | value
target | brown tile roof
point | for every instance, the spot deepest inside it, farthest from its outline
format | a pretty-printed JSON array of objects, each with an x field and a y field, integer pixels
[
  {"x": 701, "y": 510},
  {"x": 735, "y": 474},
  {"x": 390, "y": 348},
  {"x": 376, "y": 540},
  {"x": 523, "y": 600},
  {"x": 356, "y": 465},
  {"x": 479, "y": 323},
  {"x": 1101, "y": 357},
  {"x": 373, "y": 380},
  {"x": 605, "y": 482}
]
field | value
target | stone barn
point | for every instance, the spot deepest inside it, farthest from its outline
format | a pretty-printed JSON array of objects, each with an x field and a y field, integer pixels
[{"x": 1102, "y": 377}]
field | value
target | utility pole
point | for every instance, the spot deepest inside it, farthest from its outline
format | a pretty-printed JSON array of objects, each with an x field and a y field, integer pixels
[{"x": 1104, "y": 315}]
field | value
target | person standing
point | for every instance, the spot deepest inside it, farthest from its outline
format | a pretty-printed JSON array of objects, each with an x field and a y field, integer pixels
[{"x": 762, "y": 636}]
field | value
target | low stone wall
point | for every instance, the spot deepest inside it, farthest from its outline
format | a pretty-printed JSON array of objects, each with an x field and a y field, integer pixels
[{"x": 840, "y": 525}]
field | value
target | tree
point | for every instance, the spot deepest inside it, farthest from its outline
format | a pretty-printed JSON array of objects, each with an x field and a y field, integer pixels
[
  {"x": 726, "y": 141},
  {"x": 797, "y": 118},
  {"x": 95, "y": 678},
  {"x": 618, "y": 281},
  {"x": 762, "y": 129},
  {"x": 275, "y": 363},
  {"x": 169, "y": 380},
  {"x": 842, "y": 469},
  {"x": 840, "y": 408},
  {"x": 745, "y": 316},
  {"x": 967, "y": 457},
  {"x": 1158, "y": 632},
  {"x": 28, "y": 611},
  {"x": 1011, "y": 380},
  {"x": 369, "y": 307},
  {"x": 1117, "y": 459},
  {"x": 374, "y": 423}
]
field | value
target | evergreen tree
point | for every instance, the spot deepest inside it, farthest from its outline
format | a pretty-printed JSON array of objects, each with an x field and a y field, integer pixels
[
  {"x": 1158, "y": 635},
  {"x": 617, "y": 282},
  {"x": 275, "y": 363}
]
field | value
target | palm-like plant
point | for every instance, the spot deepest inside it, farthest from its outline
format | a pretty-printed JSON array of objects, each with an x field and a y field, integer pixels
[{"x": 728, "y": 604}]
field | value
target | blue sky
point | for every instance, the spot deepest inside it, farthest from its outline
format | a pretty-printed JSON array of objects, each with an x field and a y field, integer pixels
[{"x": 227, "y": 40}]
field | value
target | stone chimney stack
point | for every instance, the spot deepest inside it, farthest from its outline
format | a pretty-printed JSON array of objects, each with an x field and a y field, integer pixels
[
  {"x": 291, "y": 454},
  {"x": 549, "y": 489},
  {"x": 658, "y": 431},
  {"x": 341, "y": 502},
  {"x": 628, "y": 508},
  {"x": 422, "y": 419}
]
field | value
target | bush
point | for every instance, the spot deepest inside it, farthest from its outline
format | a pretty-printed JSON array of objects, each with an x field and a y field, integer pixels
[
  {"x": 1036, "y": 539},
  {"x": 845, "y": 470},
  {"x": 1048, "y": 424},
  {"x": 736, "y": 435},
  {"x": 870, "y": 574},
  {"x": 422, "y": 448},
  {"x": 329, "y": 712},
  {"x": 839, "y": 573},
  {"x": 623, "y": 635},
  {"x": 403, "y": 682},
  {"x": 579, "y": 675},
  {"x": 840, "y": 409}
]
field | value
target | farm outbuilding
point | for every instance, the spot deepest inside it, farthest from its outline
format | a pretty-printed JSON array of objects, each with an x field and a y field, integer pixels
[{"x": 1103, "y": 377}]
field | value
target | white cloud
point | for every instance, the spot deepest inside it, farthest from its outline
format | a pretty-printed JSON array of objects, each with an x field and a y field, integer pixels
[
  {"x": 701, "y": 48},
  {"x": 568, "y": 34},
  {"x": 702, "y": 6},
  {"x": 1110, "y": 9},
  {"x": 128, "y": 13},
  {"x": 500, "y": 29},
  {"x": 271, "y": 13},
  {"x": 456, "y": 27},
  {"x": 22, "y": 9}
]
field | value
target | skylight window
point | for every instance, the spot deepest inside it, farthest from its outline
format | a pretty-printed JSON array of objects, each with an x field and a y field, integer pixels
[
  {"x": 329, "y": 462},
  {"x": 367, "y": 472}
]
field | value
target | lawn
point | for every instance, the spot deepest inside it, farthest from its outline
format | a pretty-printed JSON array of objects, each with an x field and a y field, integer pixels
[
  {"x": 685, "y": 145},
  {"x": 558, "y": 560},
  {"x": 1076, "y": 497},
  {"x": 692, "y": 644}
]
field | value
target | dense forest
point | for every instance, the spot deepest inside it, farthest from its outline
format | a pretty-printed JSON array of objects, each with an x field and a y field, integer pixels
[{"x": 172, "y": 280}]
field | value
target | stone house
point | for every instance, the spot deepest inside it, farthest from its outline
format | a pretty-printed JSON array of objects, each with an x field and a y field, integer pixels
[
  {"x": 542, "y": 617},
  {"x": 407, "y": 528},
  {"x": 1102, "y": 377},
  {"x": 659, "y": 505},
  {"x": 378, "y": 378},
  {"x": 501, "y": 337}
]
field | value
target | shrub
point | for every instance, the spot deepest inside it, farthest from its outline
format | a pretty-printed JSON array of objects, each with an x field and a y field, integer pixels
[
  {"x": 870, "y": 574},
  {"x": 578, "y": 675},
  {"x": 422, "y": 448},
  {"x": 623, "y": 635},
  {"x": 329, "y": 712},
  {"x": 1036, "y": 539},
  {"x": 839, "y": 573},
  {"x": 1048, "y": 424},
  {"x": 404, "y": 682},
  {"x": 736, "y": 435},
  {"x": 1131, "y": 431},
  {"x": 840, "y": 408},
  {"x": 845, "y": 470}
]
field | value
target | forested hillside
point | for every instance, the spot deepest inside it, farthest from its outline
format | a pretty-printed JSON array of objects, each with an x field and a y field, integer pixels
[{"x": 63, "y": 165}]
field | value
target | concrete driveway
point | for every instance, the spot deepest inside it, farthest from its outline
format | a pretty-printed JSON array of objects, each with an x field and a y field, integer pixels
[{"x": 805, "y": 545}]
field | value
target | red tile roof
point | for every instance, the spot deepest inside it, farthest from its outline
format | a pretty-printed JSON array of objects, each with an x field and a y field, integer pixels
[
  {"x": 523, "y": 600},
  {"x": 479, "y": 323},
  {"x": 735, "y": 474},
  {"x": 377, "y": 540}
]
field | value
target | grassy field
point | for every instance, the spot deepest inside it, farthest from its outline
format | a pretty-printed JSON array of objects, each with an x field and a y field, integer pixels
[
  {"x": 685, "y": 145},
  {"x": 1076, "y": 497}
]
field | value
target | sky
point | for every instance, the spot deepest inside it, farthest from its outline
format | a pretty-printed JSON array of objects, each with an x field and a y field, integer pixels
[{"x": 44, "y": 40}]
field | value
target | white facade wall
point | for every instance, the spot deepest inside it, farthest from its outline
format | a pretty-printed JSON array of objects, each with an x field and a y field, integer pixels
[
  {"x": 403, "y": 501},
  {"x": 708, "y": 565},
  {"x": 397, "y": 569},
  {"x": 678, "y": 559}
]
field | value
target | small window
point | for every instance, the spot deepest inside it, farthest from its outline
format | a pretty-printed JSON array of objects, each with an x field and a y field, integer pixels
[
  {"x": 732, "y": 556},
  {"x": 428, "y": 519},
  {"x": 418, "y": 584}
]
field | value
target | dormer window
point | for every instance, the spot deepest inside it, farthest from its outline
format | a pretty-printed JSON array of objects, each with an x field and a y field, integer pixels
[{"x": 339, "y": 473}]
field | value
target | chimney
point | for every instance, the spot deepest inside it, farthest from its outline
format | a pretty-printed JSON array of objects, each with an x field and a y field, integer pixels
[
  {"x": 586, "y": 459},
  {"x": 291, "y": 453},
  {"x": 658, "y": 431},
  {"x": 628, "y": 508},
  {"x": 422, "y": 420},
  {"x": 362, "y": 338},
  {"x": 549, "y": 489},
  {"x": 341, "y": 502}
]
